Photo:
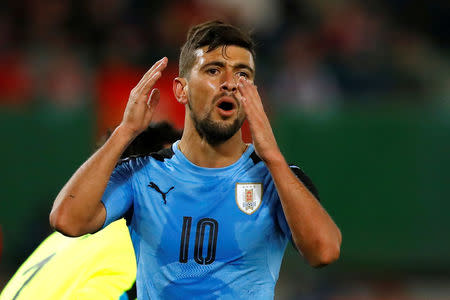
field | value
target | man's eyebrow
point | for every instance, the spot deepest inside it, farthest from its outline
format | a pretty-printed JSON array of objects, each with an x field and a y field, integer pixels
[
  {"x": 213, "y": 63},
  {"x": 244, "y": 66},
  {"x": 222, "y": 64}
]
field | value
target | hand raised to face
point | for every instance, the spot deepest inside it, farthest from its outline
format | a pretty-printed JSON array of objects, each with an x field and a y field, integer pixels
[
  {"x": 143, "y": 100},
  {"x": 263, "y": 138}
]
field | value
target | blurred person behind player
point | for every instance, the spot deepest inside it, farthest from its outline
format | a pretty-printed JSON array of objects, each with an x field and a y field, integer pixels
[
  {"x": 94, "y": 266},
  {"x": 211, "y": 216}
]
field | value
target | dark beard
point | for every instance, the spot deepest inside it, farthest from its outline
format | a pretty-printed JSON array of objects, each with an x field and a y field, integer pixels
[{"x": 214, "y": 132}]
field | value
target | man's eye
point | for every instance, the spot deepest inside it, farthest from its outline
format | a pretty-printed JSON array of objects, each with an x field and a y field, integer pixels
[
  {"x": 212, "y": 71},
  {"x": 243, "y": 74}
]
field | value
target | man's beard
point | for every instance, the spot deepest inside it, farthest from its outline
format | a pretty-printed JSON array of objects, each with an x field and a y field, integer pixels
[{"x": 215, "y": 133}]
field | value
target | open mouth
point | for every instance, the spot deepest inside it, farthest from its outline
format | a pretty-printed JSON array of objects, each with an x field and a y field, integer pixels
[
  {"x": 226, "y": 106},
  {"x": 226, "y": 103}
]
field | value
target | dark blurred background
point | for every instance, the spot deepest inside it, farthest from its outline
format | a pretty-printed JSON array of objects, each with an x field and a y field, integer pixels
[{"x": 358, "y": 93}]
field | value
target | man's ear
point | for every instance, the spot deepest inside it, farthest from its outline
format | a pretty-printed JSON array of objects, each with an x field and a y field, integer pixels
[{"x": 180, "y": 89}]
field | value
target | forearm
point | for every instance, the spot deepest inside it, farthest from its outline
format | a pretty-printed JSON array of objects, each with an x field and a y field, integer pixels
[
  {"x": 77, "y": 208},
  {"x": 313, "y": 230}
]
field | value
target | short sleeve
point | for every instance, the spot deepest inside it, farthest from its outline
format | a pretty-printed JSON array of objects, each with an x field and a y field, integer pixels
[
  {"x": 279, "y": 209},
  {"x": 305, "y": 180},
  {"x": 118, "y": 195}
]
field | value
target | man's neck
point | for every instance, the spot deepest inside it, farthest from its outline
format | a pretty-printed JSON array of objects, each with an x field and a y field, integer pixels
[{"x": 198, "y": 151}]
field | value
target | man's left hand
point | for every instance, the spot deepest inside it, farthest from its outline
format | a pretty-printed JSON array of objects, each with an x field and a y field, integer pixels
[{"x": 263, "y": 138}]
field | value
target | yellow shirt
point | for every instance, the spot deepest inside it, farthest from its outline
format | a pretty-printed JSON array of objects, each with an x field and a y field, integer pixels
[{"x": 94, "y": 266}]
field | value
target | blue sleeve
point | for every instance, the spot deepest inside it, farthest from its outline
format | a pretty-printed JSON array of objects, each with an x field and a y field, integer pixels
[{"x": 118, "y": 195}]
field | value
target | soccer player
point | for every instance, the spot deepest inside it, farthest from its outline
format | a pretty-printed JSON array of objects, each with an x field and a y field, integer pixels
[
  {"x": 209, "y": 217},
  {"x": 94, "y": 266}
]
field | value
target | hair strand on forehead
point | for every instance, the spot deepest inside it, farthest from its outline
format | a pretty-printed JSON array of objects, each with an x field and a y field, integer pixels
[{"x": 224, "y": 51}]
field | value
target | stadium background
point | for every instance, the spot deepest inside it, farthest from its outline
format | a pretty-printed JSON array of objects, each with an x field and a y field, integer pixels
[{"x": 358, "y": 93}]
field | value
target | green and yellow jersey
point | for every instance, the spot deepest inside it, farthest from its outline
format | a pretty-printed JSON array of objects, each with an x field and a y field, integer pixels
[{"x": 93, "y": 266}]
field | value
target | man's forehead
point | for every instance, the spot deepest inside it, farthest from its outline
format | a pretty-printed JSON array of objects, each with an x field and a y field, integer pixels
[{"x": 225, "y": 53}]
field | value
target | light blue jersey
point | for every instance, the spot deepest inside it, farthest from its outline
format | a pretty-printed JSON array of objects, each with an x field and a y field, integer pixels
[{"x": 200, "y": 233}]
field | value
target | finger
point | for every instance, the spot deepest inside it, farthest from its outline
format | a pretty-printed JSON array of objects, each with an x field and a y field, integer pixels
[
  {"x": 148, "y": 73},
  {"x": 251, "y": 88},
  {"x": 251, "y": 92},
  {"x": 245, "y": 84},
  {"x": 154, "y": 68},
  {"x": 240, "y": 97},
  {"x": 244, "y": 89},
  {"x": 243, "y": 100},
  {"x": 152, "y": 102},
  {"x": 150, "y": 83},
  {"x": 158, "y": 66},
  {"x": 241, "y": 86}
]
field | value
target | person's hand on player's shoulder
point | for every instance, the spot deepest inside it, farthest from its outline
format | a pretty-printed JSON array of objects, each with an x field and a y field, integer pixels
[
  {"x": 263, "y": 138},
  {"x": 143, "y": 101}
]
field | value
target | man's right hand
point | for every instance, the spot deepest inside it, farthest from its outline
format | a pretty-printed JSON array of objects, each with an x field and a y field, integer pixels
[
  {"x": 143, "y": 101},
  {"x": 78, "y": 209}
]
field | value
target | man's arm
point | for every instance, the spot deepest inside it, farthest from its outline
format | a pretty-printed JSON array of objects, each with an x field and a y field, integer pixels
[
  {"x": 78, "y": 209},
  {"x": 313, "y": 230}
]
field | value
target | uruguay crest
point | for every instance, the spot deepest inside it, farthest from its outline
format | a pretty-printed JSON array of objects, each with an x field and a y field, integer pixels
[{"x": 248, "y": 196}]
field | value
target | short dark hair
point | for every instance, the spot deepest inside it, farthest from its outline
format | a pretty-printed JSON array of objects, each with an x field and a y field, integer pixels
[
  {"x": 152, "y": 139},
  {"x": 212, "y": 34}
]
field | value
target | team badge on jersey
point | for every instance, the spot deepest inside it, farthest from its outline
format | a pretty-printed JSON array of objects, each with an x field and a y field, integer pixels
[{"x": 248, "y": 196}]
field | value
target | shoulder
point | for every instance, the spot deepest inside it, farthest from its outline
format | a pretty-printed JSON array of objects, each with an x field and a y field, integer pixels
[
  {"x": 163, "y": 154},
  {"x": 255, "y": 158},
  {"x": 305, "y": 180},
  {"x": 301, "y": 175}
]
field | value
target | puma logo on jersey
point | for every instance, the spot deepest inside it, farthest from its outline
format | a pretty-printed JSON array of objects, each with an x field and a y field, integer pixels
[{"x": 164, "y": 195}]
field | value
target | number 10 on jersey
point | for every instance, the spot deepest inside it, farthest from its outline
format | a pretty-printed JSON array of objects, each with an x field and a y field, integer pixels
[{"x": 202, "y": 225}]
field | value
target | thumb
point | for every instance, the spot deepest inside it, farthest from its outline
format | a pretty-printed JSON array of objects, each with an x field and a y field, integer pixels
[{"x": 153, "y": 100}]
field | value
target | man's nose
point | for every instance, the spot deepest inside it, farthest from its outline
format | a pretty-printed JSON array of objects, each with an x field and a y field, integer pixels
[{"x": 229, "y": 83}]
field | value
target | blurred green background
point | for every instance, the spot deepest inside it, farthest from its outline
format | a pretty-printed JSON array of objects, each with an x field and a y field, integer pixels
[{"x": 357, "y": 92}]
